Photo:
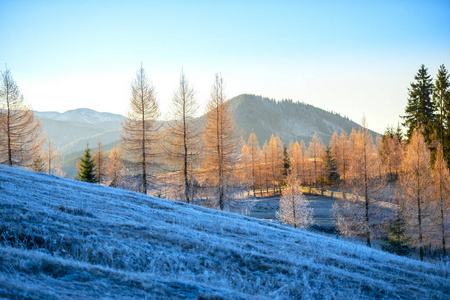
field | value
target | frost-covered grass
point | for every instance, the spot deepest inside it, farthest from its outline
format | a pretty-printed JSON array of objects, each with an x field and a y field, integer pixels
[{"x": 65, "y": 239}]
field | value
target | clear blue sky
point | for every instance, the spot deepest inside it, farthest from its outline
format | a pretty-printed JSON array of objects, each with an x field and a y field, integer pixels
[{"x": 352, "y": 57}]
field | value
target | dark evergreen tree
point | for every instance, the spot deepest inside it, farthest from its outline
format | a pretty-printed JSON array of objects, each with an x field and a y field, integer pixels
[
  {"x": 441, "y": 97},
  {"x": 87, "y": 169},
  {"x": 399, "y": 133},
  {"x": 420, "y": 108},
  {"x": 397, "y": 241},
  {"x": 285, "y": 171},
  {"x": 330, "y": 167},
  {"x": 38, "y": 164}
]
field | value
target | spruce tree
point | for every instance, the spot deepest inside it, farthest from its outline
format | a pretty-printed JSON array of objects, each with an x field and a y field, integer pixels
[
  {"x": 441, "y": 97},
  {"x": 87, "y": 167},
  {"x": 286, "y": 166},
  {"x": 397, "y": 241},
  {"x": 330, "y": 167},
  {"x": 420, "y": 108},
  {"x": 38, "y": 164}
]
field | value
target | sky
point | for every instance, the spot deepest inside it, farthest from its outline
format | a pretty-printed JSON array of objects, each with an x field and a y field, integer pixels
[{"x": 352, "y": 57}]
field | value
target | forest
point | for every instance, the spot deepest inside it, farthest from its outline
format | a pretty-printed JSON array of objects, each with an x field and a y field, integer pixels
[{"x": 395, "y": 187}]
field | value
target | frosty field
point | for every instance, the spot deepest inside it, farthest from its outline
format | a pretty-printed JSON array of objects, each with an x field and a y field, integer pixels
[
  {"x": 265, "y": 208},
  {"x": 65, "y": 239}
]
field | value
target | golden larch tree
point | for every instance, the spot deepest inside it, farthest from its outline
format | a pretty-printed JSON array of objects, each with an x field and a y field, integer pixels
[
  {"x": 183, "y": 140},
  {"x": 359, "y": 215},
  {"x": 294, "y": 208},
  {"x": 100, "y": 161},
  {"x": 416, "y": 188},
  {"x": 20, "y": 131},
  {"x": 275, "y": 161},
  {"x": 254, "y": 154},
  {"x": 221, "y": 142},
  {"x": 441, "y": 199},
  {"x": 115, "y": 168},
  {"x": 316, "y": 150},
  {"x": 140, "y": 130},
  {"x": 266, "y": 165}
]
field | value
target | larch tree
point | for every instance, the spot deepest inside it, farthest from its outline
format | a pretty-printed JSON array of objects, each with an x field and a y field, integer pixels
[
  {"x": 115, "y": 168},
  {"x": 335, "y": 145},
  {"x": 266, "y": 165},
  {"x": 100, "y": 160},
  {"x": 305, "y": 174},
  {"x": 183, "y": 140},
  {"x": 20, "y": 131},
  {"x": 221, "y": 141},
  {"x": 294, "y": 208},
  {"x": 52, "y": 159},
  {"x": 420, "y": 107},
  {"x": 441, "y": 197},
  {"x": 391, "y": 151},
  {"x": 275, "y": 161},
  {"x": 140, "y": 130},
  {"x": 316, "y": 149},
  {"x": 245, "y": 171},
  {"x": 295, "y": 158},
  {"x": 441, "y": 97},
  {"x": 358, "y": 216},
  {"x": 343, "y": 156},
  {"x": 254, "y": 153},
  {"x": 416, "y": 189}
]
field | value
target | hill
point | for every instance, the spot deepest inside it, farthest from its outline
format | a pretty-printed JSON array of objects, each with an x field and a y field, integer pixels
[
  {"x": 61, "y": 238},
  {"x": 291, "y": 120}
]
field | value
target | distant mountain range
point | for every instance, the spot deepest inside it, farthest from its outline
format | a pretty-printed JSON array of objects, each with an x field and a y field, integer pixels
[{"x": 72, "y": 130}]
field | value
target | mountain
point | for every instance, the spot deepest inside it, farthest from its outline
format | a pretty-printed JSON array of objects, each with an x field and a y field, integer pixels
[
  {"x": 74, "y": 129},
  {"x": 291, "y": 120},
  {"x": 64, "y": 239}
]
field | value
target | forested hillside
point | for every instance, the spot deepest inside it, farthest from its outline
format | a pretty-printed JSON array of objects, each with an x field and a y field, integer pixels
[{"x": 291, "y": 120}]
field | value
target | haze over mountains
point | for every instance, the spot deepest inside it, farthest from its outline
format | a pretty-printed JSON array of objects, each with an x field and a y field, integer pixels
[{"x": 73, "y": 130}]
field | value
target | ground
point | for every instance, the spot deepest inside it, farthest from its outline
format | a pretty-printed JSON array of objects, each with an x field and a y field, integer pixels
[{"x": 65, "y": 239}]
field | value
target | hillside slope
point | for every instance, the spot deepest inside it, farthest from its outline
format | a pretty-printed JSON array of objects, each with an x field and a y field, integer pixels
[
  {"x": 291, "y": 120},
  {"x": 65, "y": 239}
]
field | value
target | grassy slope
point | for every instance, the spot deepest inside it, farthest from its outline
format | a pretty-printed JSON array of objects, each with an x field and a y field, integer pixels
[{"x": 65, "y": 239}]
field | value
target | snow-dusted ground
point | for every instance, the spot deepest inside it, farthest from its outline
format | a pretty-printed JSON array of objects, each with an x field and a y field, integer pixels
[
  {"x": 266, "y": 208},
  {"x": 65, "y": 239}
]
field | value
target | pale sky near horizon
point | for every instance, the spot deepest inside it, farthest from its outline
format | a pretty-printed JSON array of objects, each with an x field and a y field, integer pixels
[{"x": 351, "y": 57}]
